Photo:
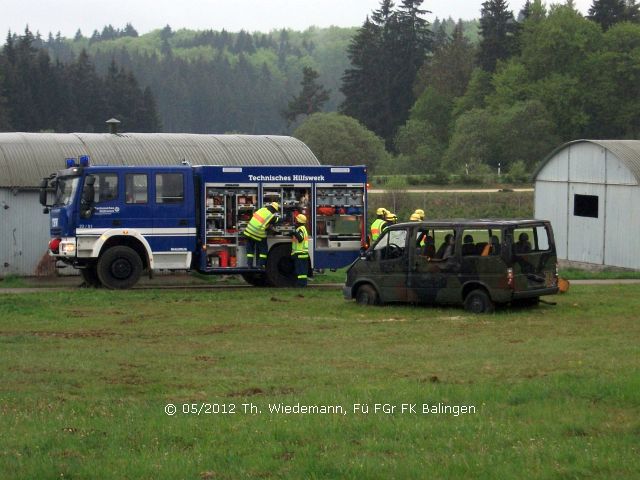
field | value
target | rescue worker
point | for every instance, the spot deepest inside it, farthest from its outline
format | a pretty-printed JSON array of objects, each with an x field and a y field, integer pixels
[
  {"x": 422, "y": 236},
  {"x": 256, "y": 233},
  {"x": 300, "y": 250},
  {"x": 378, "y": 225},
  {"x": 419, "y": 213},
  {"x": 390, "y": 219}
]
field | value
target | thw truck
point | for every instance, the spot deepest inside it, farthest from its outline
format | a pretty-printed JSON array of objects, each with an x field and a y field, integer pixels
[{"x": 116, "y": 222}]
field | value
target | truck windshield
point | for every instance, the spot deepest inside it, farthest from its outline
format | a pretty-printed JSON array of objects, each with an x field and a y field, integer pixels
[{"x": 65, "y": 190}]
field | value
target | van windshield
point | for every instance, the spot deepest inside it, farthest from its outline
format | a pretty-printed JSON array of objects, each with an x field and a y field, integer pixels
[
  {"x": 531, "y": 239},
  {"x": 65, "y": 190}
]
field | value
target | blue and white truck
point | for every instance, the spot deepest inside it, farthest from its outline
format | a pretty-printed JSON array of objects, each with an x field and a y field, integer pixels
[{"x": 115, "y": 222}]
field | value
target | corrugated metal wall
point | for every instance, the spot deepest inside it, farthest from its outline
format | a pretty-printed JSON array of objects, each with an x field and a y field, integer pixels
[
  {"x": 622, "y": 232},
  {"x": 24, "y": 235},
  {"x": 588, "y": 168},
  {"x": 551, "y": 203}
]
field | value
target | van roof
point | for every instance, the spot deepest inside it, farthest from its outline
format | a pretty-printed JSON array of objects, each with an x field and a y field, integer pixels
[{"x": 480, "y": 222}]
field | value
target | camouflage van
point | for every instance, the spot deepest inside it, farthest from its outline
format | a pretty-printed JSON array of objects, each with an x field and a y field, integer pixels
[{"x": 476, "y": 263}]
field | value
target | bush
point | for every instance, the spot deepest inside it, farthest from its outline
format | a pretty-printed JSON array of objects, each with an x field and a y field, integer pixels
[
  {"x": 441, "y": 177},
  {"x": 518, "y": 173}
]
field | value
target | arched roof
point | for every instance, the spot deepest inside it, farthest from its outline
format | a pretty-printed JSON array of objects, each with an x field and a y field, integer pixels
[
  {"x": 628, "y": 151},
  {"x": 25, "y": 158}
]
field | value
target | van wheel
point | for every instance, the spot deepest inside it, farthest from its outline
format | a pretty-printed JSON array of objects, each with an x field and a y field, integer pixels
[
  {"x": 280, "y": 271},
  {"x": 119, "y": 268},
  {"x": 90, "y": 276},
  {"x": 478, "y": 301},
  {"x": 366, "y": 295},
  {"x": 255, "y": 279}
]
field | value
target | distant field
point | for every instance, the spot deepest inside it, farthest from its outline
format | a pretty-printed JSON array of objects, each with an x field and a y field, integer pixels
[
  {"x": 455, "y": 205},
  {"x": 86, "y": 377}
]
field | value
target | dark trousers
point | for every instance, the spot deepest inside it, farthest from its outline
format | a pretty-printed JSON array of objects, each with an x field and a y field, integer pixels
[
  {"x": 301, "y": 265},
  {"x": 256, "y": 248}
]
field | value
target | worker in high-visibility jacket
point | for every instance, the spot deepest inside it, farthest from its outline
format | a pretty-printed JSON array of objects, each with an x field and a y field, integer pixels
[
  {"x": 378, "y": 225},
  {"x": 390, "y": 219},
  {"x": 422, "y": 236},
  {"x": 300, "y": 250},
  {"x": 256, "y": 233}
]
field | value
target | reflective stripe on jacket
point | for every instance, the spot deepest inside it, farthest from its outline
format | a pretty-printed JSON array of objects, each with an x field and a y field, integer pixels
[
  {"x": 300, "y": 248},
  {"x": 257, "y": 226},
  {"x": 376, "y": 228}
]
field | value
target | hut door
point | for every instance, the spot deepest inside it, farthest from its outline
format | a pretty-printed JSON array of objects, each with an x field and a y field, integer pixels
[{"x": 586, "y": 223}]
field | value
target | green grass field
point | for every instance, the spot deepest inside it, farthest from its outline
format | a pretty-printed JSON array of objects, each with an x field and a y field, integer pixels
[{"x": 86, "y": 377}]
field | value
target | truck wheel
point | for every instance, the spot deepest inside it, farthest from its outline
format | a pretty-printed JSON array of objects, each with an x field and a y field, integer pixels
[
  {"x": 255, "y": 279},
  {"x": 478, "y": 301},
  {"x": 366, "y": 295},
  {"x": 119, "y": 268},
  {"x": 280, "y": 270},
  {"x": 90, "y": 276}
]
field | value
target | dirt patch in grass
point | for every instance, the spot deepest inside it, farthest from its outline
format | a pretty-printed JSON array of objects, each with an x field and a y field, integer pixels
[
  {"x": 126, "y": 379},
  {"x": 248, "y": 392},
  {"x": 212, "y": 331},
  {"x": 205, "y": 358},
  {"x": 253, "y": 391},
  {"x": 80, "y": 334}
]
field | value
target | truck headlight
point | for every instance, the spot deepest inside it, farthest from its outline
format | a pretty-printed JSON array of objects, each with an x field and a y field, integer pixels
[{"x": 68, "y": 248}]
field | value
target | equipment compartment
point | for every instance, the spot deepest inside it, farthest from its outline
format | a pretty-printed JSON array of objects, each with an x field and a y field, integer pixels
[
  {"x": 293, "y": 200},
  {"x": 228, "y": 211},
  {"x": 339, "y": 216}
]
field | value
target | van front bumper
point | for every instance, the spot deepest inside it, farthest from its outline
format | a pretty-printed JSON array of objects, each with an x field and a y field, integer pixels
[{"x": 346, "y": 293}]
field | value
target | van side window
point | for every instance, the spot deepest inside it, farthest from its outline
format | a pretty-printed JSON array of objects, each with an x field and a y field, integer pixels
[
  {"x": 425, "y": 243},
  {"x": 530, "y": 239},
  {"x": 106, "y": 187},
  {"x": 135, "y": 188},
  {"x": 445, "y": 241},
  {"x": 391, "y": 245},
  {"x": 481, "y": 241},
  {"x": 169, "y": 188}
]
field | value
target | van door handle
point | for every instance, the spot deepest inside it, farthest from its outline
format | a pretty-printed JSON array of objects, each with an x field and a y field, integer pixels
[{"x": 182, "y": 222}]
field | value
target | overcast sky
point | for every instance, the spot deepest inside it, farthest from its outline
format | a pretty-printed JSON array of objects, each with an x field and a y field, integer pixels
[{"x": 67, "y": 16}]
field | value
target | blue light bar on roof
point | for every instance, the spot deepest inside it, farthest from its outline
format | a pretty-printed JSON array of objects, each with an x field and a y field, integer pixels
[
  {"x": 70, "y": 162},
  {"x": 84, "y": 160}
]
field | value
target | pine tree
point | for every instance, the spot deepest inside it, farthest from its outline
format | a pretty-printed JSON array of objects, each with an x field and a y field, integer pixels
[
  {"x": 361, "y": 84},
  {"x": 386, "y": 54},
  {"x": 149, "y": 121},
  {"x": 607, "y": 12},
  {"x": 5, "y": 115},
  {"x": 129, "y": 31},
  {"x": 632, "y": 12},
  {"x": 88, "y": 95},
  {"x": 525, "y": 12},
  {"x": 498, "y": 31},
  {"x": 310, "y": 99},
  {"x": 449, "y": 69}
]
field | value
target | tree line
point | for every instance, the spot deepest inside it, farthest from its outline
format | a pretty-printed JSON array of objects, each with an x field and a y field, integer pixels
[
  {"x": 457, "y": 97},
  {"x": 38, "y": 94},
  {"x": 532, "y": 81}
]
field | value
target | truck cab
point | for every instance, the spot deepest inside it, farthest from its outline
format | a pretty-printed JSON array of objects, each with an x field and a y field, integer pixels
[{"x": 113, "y": 223}]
